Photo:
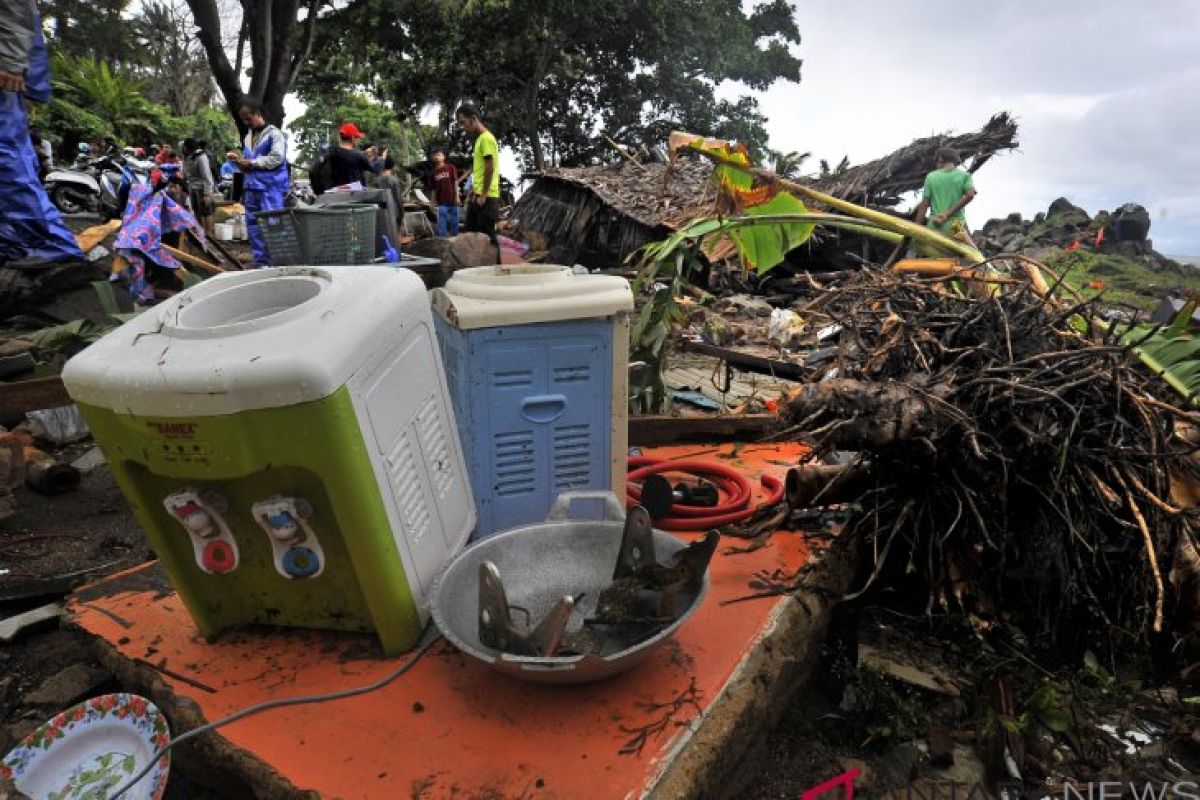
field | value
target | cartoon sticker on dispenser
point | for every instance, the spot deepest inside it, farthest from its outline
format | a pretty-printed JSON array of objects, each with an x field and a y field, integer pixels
[
  {"x": 297, "y": 552},
  {"x": 213, "y": 544}
]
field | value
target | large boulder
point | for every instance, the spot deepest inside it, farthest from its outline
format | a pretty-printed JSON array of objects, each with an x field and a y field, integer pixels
[
  {"x": 1065, "y": 214},
  {"x": 452, "y": 254},
  {"x": 1130, "y": 223}
]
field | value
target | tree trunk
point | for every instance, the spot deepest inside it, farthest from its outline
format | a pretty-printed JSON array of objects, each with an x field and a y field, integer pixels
[
  {"x": 278, "y": 50},
  {"x": 532, "y": 111},
  {"x": 208, "y": 25},
  {"x": 535, "y": 144}
]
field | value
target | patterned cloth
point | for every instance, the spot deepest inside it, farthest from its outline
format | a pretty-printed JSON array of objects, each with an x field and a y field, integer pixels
[{"x": 148, "y": 216}]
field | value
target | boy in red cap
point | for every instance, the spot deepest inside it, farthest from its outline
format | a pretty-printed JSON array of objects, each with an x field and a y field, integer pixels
[{"x": 348, "y": 164}]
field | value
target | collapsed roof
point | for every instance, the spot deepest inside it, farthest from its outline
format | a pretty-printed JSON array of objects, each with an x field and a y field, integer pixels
[{"x": 600, "y": 215}]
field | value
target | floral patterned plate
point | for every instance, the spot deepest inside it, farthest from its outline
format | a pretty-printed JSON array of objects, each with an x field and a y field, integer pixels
[{"x": 89, "y": 750}]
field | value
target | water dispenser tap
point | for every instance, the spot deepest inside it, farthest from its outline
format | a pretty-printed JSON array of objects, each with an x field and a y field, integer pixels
[
  {"x": 294, "y": 544},
  {"x": 213, "y": 545}
]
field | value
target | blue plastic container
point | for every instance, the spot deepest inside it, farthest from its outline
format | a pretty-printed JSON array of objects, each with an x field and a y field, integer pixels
[{"x": 540, "y": 405}]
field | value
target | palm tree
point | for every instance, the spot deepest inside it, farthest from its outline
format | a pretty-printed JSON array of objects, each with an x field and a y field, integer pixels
[
  {"x": 90, "y": 84},
  {"x": 827, "y": 172},
  {"x": 787, "y": 165}
]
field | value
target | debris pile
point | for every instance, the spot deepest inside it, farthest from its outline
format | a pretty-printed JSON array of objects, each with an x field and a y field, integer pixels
[{"x": 1012, "y": 467}]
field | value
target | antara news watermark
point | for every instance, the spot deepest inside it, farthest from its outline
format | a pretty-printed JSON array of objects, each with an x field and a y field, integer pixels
[
  {"x": 1013, "y": 790},
  {"x": 1094, "y": 790}
]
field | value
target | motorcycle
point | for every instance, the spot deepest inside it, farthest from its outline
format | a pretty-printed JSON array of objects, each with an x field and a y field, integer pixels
[{"x": 101, "y": 185}]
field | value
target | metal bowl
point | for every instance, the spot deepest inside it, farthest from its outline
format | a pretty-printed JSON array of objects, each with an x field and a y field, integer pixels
[{"x": 539, "y": 564}]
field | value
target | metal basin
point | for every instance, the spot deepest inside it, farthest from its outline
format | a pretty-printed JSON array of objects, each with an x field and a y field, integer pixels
[{"x": 539, "y": 564}]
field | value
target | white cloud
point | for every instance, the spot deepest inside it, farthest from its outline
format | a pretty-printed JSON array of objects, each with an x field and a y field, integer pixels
[{"x": 1105, "y": 94}]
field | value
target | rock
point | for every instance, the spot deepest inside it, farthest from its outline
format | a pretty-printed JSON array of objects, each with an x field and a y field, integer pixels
[
  {"x": 454, "y": 253},
  {"x": 1130, "y": 223},
  {"x": 1013, "y": 245},
  {"x": 1065, "y": 214},
  {"x": 68, "y": 685},
  {"x": 17, "y": 731},
  {"x": 1014, "y": 218},
  {"x": 89, "y": 461},
  {"x": 471, "y": 250}
]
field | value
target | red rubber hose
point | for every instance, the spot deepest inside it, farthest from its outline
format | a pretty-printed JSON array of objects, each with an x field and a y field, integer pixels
[{"x": 734, "y": 489}]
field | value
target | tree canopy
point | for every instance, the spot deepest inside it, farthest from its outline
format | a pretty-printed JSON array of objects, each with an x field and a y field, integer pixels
[{"x": 550, "y": 75}]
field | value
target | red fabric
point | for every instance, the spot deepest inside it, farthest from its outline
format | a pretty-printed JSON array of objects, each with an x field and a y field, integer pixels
[
  {"x": 1072, "y": 246},
  {"x": 1099, "y": 237}
]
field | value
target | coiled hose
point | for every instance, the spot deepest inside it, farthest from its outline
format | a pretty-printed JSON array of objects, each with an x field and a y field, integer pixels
[{"x": 736, "y": 493}]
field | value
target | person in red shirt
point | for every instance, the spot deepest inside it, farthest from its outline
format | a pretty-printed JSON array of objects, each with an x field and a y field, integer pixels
[
  {"x": 167, "y": 155},
  {"x": 442, "y": 181}
]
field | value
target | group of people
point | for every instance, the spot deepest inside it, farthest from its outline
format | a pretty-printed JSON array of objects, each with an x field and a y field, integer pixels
[
  {"x": 31, "y": 228},
  {"x": 350, "y": 166}
]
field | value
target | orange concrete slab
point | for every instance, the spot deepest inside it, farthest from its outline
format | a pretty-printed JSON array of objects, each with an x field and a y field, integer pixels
[{"x": 451, "y": 727}]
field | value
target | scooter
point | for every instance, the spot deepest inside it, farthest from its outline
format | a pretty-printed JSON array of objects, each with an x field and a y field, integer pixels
[{"x": 101, "y": 187}]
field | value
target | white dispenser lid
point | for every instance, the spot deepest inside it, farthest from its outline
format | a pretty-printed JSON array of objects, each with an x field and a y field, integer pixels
[
  {"x": 516, "y": 294},
  {"x": 246, "y": 340}
]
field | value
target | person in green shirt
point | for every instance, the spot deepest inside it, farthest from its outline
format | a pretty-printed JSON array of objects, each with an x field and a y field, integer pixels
[
  {"x": 947, "y": 191},
  {"x": 483, "y": 203}
]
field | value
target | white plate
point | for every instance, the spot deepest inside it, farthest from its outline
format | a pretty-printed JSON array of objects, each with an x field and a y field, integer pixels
[{"x": 91, "y": 749}]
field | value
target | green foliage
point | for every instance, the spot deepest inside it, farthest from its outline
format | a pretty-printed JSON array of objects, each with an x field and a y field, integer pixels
[
  {"x": 788, "y": 165},
  {"x": 327, "y": 111},
  {"x": 91, "y": 28},
  {"x": 1126, "y": 280},
  {"x": 214, "y": 126},
  {"x": 549, "y": 75},
  {"x": 92, "y": 100}
]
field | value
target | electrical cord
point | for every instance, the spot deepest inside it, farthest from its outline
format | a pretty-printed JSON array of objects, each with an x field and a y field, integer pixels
[
  {"x": 737, "y": 492},
  {"x": 427, "y": 640}
]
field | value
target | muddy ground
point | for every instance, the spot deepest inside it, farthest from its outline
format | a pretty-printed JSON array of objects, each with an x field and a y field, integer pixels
[{"x": 904, "y": 705}]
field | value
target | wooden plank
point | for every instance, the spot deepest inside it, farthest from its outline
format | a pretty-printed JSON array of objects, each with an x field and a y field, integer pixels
[
  {"x": 18, "y": 397},
  {"x": 655, "y": 429},
  {"x": 192, "y": 261},
  {"x": 764, "y": 366},
  {"x": 222, "y": 251}
]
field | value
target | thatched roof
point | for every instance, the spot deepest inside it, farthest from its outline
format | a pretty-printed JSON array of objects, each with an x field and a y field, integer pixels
[
  {"x": 615, "y": 209},
  {"x": 611, "y": 211},
  {"x": 882, "y": 181}
]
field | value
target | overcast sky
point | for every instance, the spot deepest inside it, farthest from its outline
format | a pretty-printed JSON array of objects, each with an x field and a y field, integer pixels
[{"x": 1107, "y": 96}]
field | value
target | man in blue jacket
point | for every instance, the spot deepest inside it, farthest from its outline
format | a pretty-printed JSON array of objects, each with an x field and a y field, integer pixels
[
  {"x": 32, "y": 233},
  {"x": 264, "y": 162}
]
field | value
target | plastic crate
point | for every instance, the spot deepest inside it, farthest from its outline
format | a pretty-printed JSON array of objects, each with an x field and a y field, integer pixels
[
  {"x": 343, "y": 234},
  {"x": 279, "y": 232}
]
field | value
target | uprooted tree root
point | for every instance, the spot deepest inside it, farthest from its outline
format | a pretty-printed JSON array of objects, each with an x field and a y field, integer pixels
[{"x": 1020, "y": 470}]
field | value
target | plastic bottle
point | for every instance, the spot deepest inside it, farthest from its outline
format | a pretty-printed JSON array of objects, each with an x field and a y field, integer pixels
[{"x": 390, "y": 254}]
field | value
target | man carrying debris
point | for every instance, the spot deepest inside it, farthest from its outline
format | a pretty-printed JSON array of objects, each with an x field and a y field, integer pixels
[
  {"x": 483, "y": 204},
  {"x": 264, "y": 163},
  {"x": 31, "y": 231},
  {"x": 947, "y": 191}
]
